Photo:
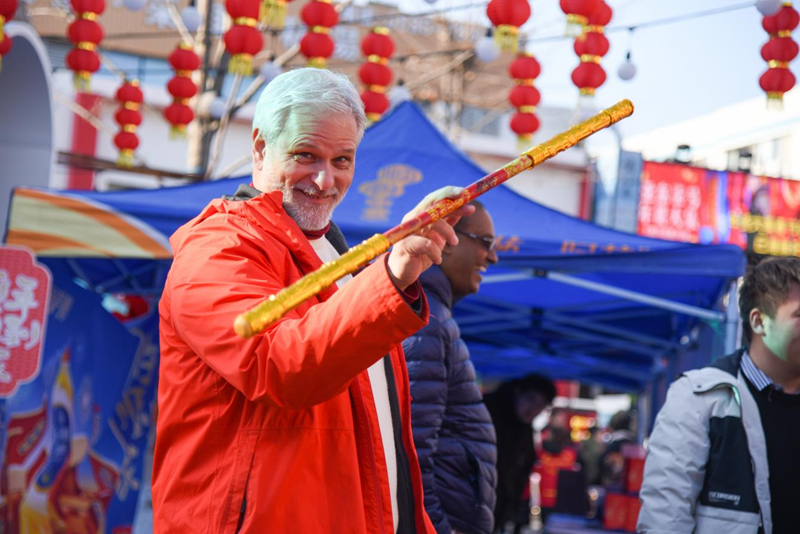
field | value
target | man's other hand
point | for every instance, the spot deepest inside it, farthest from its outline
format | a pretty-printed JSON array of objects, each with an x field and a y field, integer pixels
[{"x": 413, "y": 255}]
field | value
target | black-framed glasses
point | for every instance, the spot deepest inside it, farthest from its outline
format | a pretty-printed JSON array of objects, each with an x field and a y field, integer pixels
[{"x": 487, "y": 242}]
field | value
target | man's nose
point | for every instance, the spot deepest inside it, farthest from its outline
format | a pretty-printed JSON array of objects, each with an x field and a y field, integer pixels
[
  {"x": 492, "y": 256},
  {"x": 324, "y": 178}
]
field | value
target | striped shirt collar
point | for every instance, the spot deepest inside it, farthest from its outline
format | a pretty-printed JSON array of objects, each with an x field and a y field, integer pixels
[{"x": 756, "y": 376}]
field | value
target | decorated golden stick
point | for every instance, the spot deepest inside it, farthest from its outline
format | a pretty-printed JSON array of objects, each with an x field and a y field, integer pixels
[{"x": 278, "y": 305}]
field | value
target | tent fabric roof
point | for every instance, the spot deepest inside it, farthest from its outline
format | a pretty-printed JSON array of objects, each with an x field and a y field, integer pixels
[{"x": 522, "y": 320}]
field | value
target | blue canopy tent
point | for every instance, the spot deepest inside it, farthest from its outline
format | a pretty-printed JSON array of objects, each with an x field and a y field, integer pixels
[{"x": 568, "y": 299}]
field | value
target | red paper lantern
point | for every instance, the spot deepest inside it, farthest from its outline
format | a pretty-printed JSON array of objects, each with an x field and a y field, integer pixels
[
  {"x": 5, "y": 48},
  {"x": 243, "y": 40},
  {"x": 86, "y": 34},
  {"x": 317, "y": 46},
  {"x": 785, "y": 20},
  {"x": 375, "y": 104},
  {"x": 524, "y": 125},
  {"x": 524, "y": 96},
  {"x": 588, "y": 77},
  {"x": 182, "y": 88},
  {"x": 319, "y": 13},
  {"x": 600, "y": 16},
  {"x": 178, "y": 114},
  {"x": 591, "y": 44},
  {"x": 378, "y": 43},
  {"x": 578, "y": 13},
  {"x": 507, "y": 16},
  {"x": 129, "y": 118},
  {"x": 775, "y": 82},
  {"x": 378, "y": 46},
  {"x": 779, "y": 49},
  {"x": 8, "y": 9},
  {"x": 525, "y": 67},
  {"x": 183, "y": 58},
  {"x": 375, "y": 74},
  {"x": 126, "y": 141},
  {"x": 778, "y": 52},
  {"x": 273, "y": 13}
]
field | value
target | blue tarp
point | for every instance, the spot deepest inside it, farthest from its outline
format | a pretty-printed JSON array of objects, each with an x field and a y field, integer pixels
[{"x": 521, "y": 321}]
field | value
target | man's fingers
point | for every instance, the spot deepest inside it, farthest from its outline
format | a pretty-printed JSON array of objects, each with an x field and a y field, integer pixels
[
  {"x": 432, "y": 198},
  {"x": 445, "y": 230}
]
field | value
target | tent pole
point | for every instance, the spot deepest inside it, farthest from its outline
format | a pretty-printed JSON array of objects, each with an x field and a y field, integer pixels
[{"x": 686, "y": 309}]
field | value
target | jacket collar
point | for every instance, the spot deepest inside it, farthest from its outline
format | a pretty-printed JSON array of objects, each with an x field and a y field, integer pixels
[
  {"x": 437, "y": 285},
  {"x": 334, "y": 234}
]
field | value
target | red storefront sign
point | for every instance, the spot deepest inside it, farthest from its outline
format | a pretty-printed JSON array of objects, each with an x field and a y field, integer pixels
[
  {"x": 24, "y": 292},
  {"x": 684, "y": 203},
  {"x": 669, "y": 201}
]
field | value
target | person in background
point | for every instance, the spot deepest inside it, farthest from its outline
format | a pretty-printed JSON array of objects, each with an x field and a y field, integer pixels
[
  {"x": 622, "y": 431},
  {"x": 723, "y": 455},
  {"x": 453, "y": 431},
  {"x": 514, "y": 406},
  {"x": 591, "y": 449}
]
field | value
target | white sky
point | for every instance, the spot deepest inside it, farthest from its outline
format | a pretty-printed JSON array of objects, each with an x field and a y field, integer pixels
[{"x": 685, "y": 69}]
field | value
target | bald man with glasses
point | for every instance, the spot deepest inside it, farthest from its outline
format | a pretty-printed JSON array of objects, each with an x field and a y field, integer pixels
[{"x": 453, "y": 431}]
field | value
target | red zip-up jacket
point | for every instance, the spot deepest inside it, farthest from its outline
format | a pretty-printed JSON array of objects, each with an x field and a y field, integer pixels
[{"x": 277, "y": 433}]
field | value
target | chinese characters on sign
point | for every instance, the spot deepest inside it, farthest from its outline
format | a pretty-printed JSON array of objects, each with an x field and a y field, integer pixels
[
  {"x": 669, "y": 202},
  {"x": 24, "y": 290}
]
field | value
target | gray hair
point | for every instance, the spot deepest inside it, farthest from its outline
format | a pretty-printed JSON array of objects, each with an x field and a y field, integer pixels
[{"x": 304, "y": 94}]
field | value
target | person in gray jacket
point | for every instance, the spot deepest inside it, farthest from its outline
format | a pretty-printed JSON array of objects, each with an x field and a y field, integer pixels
[{"x": 723, "y": 455}]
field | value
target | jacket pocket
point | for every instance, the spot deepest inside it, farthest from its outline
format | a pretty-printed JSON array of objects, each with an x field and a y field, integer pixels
[{"x": 235, "y": 506}]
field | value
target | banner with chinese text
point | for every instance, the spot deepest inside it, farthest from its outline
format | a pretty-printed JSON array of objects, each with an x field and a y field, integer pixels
[
  {"x": 684, "y": 203},
  {"x": 73, "y": 437}
]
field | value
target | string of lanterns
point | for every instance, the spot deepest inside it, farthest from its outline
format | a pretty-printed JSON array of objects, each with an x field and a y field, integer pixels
[
  {"x": 375, "y": 74},
  {"x": 183, "y": 60},
  {"x": 129, "y": 118},
  {"x": 85, "y": 33},
  {"x": 524, "y": 96},
  {"x": 317, "y": 46},
  {"x": 778, "y": 52},
  {"x": 7, "y": 10},
  {"x": 590, "y": 47}
]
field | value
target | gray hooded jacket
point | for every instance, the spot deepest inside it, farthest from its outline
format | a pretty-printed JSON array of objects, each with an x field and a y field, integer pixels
[{"x": 706, "y": 470}]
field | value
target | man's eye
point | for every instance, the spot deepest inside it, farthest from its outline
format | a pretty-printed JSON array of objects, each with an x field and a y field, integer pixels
[
  {"x": 303, "y": 156},
  {"x": 344, "y": 160}
]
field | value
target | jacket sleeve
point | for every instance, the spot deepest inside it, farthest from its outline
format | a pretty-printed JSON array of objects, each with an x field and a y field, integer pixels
[
  {"x": 676, "y": 463},
  {"x": 299, "y": 361},
  {"x": 427, "y": 373}
]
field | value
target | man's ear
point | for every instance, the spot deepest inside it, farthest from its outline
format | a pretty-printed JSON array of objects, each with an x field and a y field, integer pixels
[
  {"x": 756, "y": 321},
  {"x": 258, "y": 149}
]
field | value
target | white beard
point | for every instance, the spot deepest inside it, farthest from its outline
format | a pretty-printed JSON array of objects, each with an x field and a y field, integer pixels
[{"x": 310, "y": 216}]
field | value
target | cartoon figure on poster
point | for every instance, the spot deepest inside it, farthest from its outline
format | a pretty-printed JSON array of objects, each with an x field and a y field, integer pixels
[{"x": 67, "y": 435}]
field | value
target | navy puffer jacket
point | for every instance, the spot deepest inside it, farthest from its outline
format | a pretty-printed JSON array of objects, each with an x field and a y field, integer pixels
[{"x": 453, "y": 431}]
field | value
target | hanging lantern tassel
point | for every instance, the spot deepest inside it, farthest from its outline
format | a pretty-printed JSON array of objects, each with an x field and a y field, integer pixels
[
  {"x": 507, "y": 16},
  {"x": 273, "y": 14},
  {"x": 506, "y": 37}
]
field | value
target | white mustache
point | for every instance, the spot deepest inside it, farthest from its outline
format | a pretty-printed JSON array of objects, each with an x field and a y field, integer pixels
[{"x": 313, "y": 191}]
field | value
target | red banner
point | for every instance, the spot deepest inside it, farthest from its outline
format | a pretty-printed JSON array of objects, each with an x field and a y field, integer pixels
[
  {"x": 683, "y": 203},
  {"x": 24, "y": 292}
]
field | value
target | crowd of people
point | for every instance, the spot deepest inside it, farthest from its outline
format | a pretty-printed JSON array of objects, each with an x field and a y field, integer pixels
[{"x": 360, "y": 412}]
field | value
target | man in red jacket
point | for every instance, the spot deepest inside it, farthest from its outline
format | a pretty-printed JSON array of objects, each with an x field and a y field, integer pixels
[{"x": 305, "y": 427}]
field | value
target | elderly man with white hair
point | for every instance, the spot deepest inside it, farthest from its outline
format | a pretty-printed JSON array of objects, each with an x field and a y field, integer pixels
[{"x": 305, "y": 427}]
